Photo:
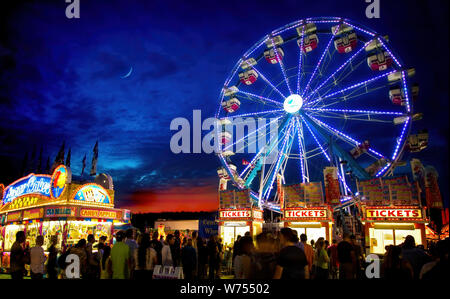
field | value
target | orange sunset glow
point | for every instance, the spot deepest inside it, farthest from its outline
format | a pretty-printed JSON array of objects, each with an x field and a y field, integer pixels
[{"x": 175, "y": 199}]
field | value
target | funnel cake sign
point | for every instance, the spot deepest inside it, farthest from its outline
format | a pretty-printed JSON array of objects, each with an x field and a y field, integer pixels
[{"x": 31, "y": 184}]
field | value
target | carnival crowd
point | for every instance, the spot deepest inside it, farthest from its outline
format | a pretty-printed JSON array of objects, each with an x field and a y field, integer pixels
[{"x": 280, "y": 255}]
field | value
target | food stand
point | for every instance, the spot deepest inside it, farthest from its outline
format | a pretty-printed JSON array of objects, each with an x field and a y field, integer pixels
[
  {"x": 238, "y": 214},
  {"x": 391, "y": 209},
  {"x": 41, "y": 204},
  {"x": 305, "y": 211}
]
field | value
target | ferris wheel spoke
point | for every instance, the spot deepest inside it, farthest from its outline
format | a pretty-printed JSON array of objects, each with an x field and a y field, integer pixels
[
  {"x": 354, "y": 118},
  {"x": 326, "y": 155},
  {"x": 343, "y": 135},
  {"x": 337, "y": 70},
  {"x": 264, "y": 99},
  {"x": 330, "y": 86},
  {"x": 255, "y": 140},
  {"x": 351, "y": 87},
  {"x": 268, "y": 82},
  {"x": 300, "y": 62},
  {"x": 272, "y": 174},
  {"x": 253, "y": 132},
  {"x": 301, "y": 151},
  {"x": 276, "y": 111},
  {"x": 320, "y": 61},
  {"x": 355, "y": 111},
  {"x": 264, "y": 152},
  {"x": 280, "y": 62},
  {"x": 349, "y": 96}
]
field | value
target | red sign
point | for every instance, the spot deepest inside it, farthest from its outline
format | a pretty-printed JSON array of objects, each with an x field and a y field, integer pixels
[
  {"x": 235, "y": 214},
  {"x": 305, "y": 213},
  {"x": 33, "y": 214},
  {"x": 16, "y": 216},
  {"x": 394, "y": 213},
  {"x": 90, "y": 213}
]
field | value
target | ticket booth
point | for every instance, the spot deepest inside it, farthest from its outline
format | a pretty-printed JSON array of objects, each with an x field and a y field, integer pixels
[
  {"x": 314, "y": 222},
  {"x": 233, "y": 223},
  {"x": 384, "y": 226}
]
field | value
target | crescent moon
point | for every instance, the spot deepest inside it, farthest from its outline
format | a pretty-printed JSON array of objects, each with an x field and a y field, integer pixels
[{"x": 127, "y": 75}]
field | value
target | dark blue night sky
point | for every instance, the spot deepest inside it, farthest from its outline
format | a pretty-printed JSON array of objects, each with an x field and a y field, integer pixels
[{"x": 60, "y": 79}]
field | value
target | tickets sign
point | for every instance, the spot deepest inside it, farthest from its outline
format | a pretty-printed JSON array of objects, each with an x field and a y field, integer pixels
[
  {"x": 60, "y": 212},
  {"x": 306, "y": 213},
  {"x": 91, "y": 213},
  {"x": 236, "y": 214},
  {"x": 394, "y": 213},
  {"x": 33, "y": 214}
]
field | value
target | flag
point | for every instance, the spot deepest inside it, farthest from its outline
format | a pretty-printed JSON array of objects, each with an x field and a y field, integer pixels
[
  {"x": 68, "y": 159},
  {"x": 32, "y": 163},
  {"x": 245, "y": 162},
  {"x": 59, "y": 159},
  {"x": 24, "y": 164},
  {"x": 84, "y": 165},
  {"x": 94, "y": 160},
  {"x": 39, "y": 165},
  {"x": 47, "y": 168}
]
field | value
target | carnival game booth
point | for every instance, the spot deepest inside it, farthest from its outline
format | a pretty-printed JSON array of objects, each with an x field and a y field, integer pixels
[
  {"x": 304, "y": 210},
  {"x": 47, "y": 205},
  {"x": 238, "y": 214},
  {"x": 391, "y": 210}
]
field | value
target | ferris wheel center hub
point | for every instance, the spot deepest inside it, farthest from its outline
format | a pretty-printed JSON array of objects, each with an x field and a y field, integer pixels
[{"x": 293, "y": 103}]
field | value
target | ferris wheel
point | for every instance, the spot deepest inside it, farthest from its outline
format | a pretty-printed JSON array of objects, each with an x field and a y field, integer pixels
[{"x": 339, "y": 95}]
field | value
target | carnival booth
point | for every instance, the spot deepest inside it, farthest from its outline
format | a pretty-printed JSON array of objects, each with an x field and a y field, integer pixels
[
  {"x": 391, "y": 210},
  {"x": 58, "y": 205},
  {"x": 238, "y": 214},
  {"x": 305, "y": 211}
]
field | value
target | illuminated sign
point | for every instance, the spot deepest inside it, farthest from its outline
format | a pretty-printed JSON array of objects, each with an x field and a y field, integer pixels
[
  {"x": 394, "y": 213},
  {"x": 31, "y": 184},
  {"x": 2, "y": 188},
  {"x": 16, "y": 216},
  {"x": 126, "y": 215},
  {"x": 257, "y": 214},
  {"x": 60, "y": 212},
  {"x": 92, "y": 193},
  {"x": 32, "y": 214},
  {"x": 90, "y": 213},
  {"x": 61, "y": 176},
  {"x": 235, "y": 214},
  {"x": 305, "y": 213}
]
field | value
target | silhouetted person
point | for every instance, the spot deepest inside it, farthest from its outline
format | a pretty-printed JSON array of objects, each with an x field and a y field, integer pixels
[
  {"x": 415, "y": 256},
  {"x": 18, "y": 257},
  {"x": 189, "y": 260}
]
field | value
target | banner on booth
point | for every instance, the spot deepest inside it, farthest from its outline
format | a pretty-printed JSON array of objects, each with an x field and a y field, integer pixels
[
  {"x": 92, "y": 213},
  {"x": 60, "y": 212},
  {"x": 207, "y": 227},
  {"x": 33, "y": 214}
]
